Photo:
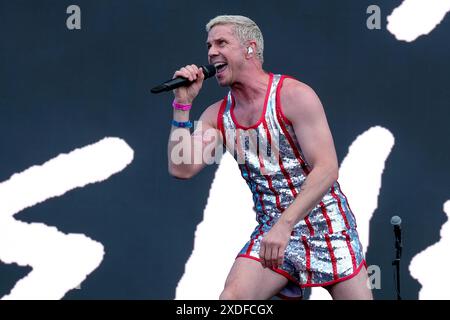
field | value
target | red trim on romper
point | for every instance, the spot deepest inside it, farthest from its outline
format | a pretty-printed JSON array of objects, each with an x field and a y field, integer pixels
[
  {"x": 281, "y": 110},
  {"x": 332, "y": 256},
  {"x": 310, "y": 285},
  {"x": 220, "y": 120},
  {"x": 341, "y": 210},
  {"x": 350, "y": 249},
  {"x": 238, "y": 125},
  {"x": 330, "y": 283},
  {"x": 308, "y": 259}
]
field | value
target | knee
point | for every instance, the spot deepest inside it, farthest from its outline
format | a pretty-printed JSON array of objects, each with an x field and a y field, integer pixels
[
  {"x": 227, "y": 295},
  {"x": 231, "y": 294}
]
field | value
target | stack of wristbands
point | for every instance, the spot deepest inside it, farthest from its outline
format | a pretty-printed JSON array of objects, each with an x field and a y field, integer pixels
[{"x": 183, "y": 107}]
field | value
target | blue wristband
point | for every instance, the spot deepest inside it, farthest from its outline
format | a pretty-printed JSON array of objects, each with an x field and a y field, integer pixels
[{"x": 186, "y": 124}]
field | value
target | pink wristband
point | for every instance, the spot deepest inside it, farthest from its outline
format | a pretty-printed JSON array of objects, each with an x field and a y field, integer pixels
[{"x": 178, "y": 106}]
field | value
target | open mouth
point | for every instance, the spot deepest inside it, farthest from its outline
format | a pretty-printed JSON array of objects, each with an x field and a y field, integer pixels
[{"x": 220, "y": 66}]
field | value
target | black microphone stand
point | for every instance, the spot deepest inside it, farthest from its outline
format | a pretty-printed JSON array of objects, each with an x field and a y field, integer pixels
[{"x": 396, "y": 264}]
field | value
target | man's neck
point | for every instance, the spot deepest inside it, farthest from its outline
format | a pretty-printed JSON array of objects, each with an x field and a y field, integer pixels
[{"x": 251, "y": 87}]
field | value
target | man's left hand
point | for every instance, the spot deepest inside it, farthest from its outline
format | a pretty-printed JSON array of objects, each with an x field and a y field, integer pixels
[{"x": 273, "y": 245}]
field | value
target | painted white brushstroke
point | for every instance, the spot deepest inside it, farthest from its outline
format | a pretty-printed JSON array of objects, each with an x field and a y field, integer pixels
[
  {"x": 228, "y": 222},
  {"x": 90, "y": 164},
  {"x": 60, "y": 262},
  {"x": 360, "y": 175},
  {"x": 229, "y": 218},
  {"x": 360, "y": 179},
  {"x": 429, "y": 266},
  {"x": 414, "y": 18}
]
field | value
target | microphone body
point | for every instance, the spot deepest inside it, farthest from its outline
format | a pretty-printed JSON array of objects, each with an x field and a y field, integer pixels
[
  {"x": 398, "y": 234},
  {"x": 396, "y": 222},
  {"x": 208, "y": 70}
]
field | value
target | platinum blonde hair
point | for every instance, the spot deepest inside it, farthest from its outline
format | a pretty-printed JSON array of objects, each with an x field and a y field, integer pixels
[{"x": 245, "y": 30}]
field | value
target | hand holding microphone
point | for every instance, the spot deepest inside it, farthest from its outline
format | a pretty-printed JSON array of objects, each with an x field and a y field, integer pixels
[
  {"x": 186, "y": 82},
  {"x": 186, "y": 94}
]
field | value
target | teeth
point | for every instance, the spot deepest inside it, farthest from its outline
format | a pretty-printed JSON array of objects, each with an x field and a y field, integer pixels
[{"x": 219, "y": 64}]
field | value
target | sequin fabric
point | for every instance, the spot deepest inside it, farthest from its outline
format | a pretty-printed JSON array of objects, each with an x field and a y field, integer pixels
[{"x": 324, "y": 247}]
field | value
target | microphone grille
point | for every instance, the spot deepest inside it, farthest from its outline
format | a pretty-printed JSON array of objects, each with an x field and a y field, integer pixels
[
  {"x": 396, "y": 220},
  {"x": 209, "y": 70}
]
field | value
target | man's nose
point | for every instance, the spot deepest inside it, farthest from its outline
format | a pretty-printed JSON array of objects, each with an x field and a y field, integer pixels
[{"x": 212, "y": 52}]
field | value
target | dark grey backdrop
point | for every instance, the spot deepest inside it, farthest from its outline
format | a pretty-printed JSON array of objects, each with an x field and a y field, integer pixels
[{"x": 62, "y": 89}]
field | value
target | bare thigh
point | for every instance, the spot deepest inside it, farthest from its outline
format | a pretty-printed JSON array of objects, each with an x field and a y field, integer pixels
[
  {"x": 356, "y": 288},
  {"x": 248, "y": 280}
]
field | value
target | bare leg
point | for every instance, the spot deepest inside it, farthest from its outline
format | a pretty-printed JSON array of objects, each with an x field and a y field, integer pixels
[
  {"x": 356, "y": 288},
  {"x": 248, "y": 280}
]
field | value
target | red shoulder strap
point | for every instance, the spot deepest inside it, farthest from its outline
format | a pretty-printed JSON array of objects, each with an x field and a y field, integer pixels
[
  {"x": 220, "y": 119},
  {"x": 278, "y": 99}
]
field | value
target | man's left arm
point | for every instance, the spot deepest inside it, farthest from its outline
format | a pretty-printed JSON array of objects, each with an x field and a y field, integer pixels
[{"x": 303, "y": 108}]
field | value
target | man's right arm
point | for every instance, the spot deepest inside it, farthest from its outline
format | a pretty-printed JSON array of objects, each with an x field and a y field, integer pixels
[{"x": 188, "y": 154}]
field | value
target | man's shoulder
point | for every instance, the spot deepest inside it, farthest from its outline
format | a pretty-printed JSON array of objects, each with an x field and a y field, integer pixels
[
  {"x": 211, "y": 112},
  {"x": 215, "y": 107},
  {"x": 293, "y": 88},
  {"x": 298, "y": 98}
]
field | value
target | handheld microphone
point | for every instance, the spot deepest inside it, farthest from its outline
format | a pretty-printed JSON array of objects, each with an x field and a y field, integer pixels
[
  {"x": 208, "y": 70},
  {"x": 396, "y": 222}
]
